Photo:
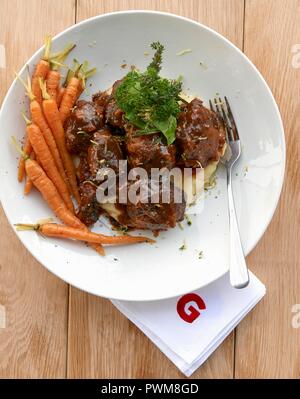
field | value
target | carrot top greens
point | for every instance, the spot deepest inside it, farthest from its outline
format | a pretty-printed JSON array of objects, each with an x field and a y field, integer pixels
[{"x": 149, "y": 101}]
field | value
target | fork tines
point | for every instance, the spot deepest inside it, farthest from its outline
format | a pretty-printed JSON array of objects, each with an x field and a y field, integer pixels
[{"x": 222, "y": 108}]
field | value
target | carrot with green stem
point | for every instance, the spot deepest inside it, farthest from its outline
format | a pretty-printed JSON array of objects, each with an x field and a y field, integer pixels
[
  {"x": 41, "y": 70},
  {"x": 62, "y": 89},
  {"x": 50, "y": 194},
  {"x": 75, "y": 86},
  {"x": 46, "y": 160},
  {"x": 53, "y": 117},
  {"x": 39, "y": 119},
  {"x": 54, "y": 76},
  {"x": 62, "y": 231},
  {"x": 69, "y": 98},
  {"x": 43, "y": 66}
]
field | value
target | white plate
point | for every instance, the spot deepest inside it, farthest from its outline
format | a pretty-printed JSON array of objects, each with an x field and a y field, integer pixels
[{"x": 145, "y": 272}]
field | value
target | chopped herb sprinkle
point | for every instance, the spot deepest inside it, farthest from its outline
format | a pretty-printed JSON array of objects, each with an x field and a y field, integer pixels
[
  {"x": 185, "y": 51},
  {"x": 183, "y": 246},
  {"x": 122, "y": 230},
  {"x": 81, "y": 132},
  {"x": 188, "y": 219}
]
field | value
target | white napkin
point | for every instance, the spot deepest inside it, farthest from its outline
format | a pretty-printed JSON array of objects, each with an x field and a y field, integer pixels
[{"x": 208, "y": 320}]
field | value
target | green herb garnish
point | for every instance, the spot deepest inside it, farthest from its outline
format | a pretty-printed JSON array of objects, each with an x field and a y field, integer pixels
[
  {"x": 150, "y": 102},
  {"x": 183, "y": 246},
  {"x": 122, "y": 229},
  {"x": 185, "y": 51},
  {"x": 188, "y": 219}
]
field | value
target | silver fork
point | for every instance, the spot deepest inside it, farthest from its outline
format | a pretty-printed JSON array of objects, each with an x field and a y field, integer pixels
[{"x": 239, "y": 276}]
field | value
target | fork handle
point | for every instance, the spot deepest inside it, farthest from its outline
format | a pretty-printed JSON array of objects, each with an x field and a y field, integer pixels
[{"x": 239, "y": 276}]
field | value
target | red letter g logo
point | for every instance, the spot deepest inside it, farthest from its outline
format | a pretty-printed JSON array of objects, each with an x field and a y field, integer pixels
[{"x": 193, "y": 312}]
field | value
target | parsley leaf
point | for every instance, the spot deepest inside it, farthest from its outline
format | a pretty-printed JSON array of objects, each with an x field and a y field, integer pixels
[
  {"x": 150, "y": 102},
  {"x": 167, "y": 127}
]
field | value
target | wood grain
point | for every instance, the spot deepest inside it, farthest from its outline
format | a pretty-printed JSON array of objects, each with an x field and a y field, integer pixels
[
  {"x": 225, "y": 16},
  {"x": 103, "y": 343},
  {"x": 267, "y": 346},
  {"x": 34, "y": 302}
]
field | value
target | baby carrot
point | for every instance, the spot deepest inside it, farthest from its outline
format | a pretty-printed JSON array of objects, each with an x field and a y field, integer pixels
[
  {"x": 27, "y": 149},
  {"x": 53, "y": 199},
  {"x": 40, "y": 147},
  {"x": 28, "y": 184},
  {"x": 39, "y": 119},
  {"x": 60, "y": 94},
  {"x": 75, "y": 84},
  {"x": 69, "y": 98},
  {"x": 50, "y": 194},
  {"x": 54, "y": 76},
  {"x": 53, "y": 117},
  {"x": 62, "y": 231},
  {"x": 52, "y": 83},
  {"x": 41, "y": 70}
]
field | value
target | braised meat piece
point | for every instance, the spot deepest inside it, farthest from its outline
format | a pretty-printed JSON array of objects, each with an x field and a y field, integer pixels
[
  {"x": 159, "y": 216},
  {"x": 100, "y": 100},
  {"x": 105, "y": 101},
  {"x": 90, "y": 209},
  {"x": 83, "y": 169},
  {"x": 85, "y": 119},
  {"x": 114, "y": 116},
  {"x": 200, "y": 136},
  {"x": 149, "y": 151},
  {"x": 104, "y": 151}
]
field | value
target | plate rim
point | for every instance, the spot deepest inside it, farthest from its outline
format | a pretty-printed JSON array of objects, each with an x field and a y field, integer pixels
[{"x": 243, "y": 55}]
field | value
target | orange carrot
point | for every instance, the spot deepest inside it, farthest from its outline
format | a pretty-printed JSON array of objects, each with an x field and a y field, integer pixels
[
  {"x": 62, "y": 231},
  {"x": 53, "y": 117},
  {"x": 42, "y": 150},
  {"x": 75, "y": 84},
  {"x": 53, "y": 76},
  {"x": 28, "y": 184},
  {"x": 53, "y": 199},
  {"x": 27, "y": 149},
  {"x": 39, "y": 119},
  {"x": 69, "y": 98},
  {"x": 50, "y": 194},
  {"x": 52, "y": 83},
  {"x": 41, "y": 70},
  {"x": 60, "y": 94}
]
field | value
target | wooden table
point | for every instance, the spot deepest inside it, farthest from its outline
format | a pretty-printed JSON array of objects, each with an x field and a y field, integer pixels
[{"x": 49, "y": 329}]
